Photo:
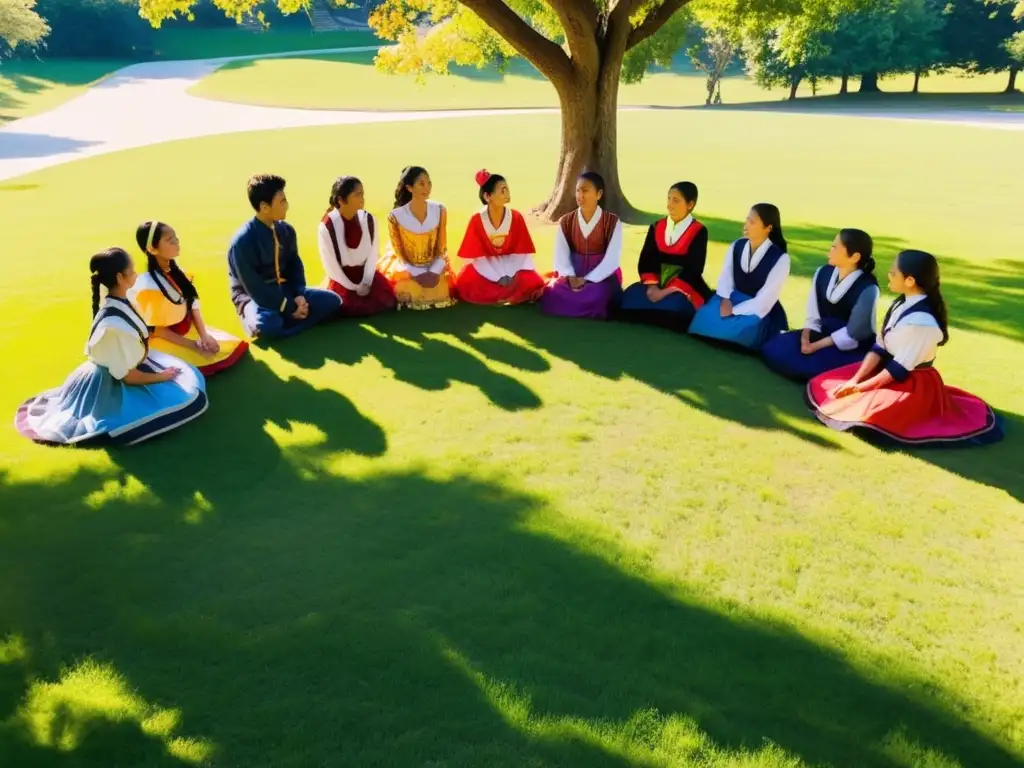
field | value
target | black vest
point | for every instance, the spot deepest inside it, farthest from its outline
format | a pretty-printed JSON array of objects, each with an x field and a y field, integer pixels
[
  {"x": 752, "y": 282},
  {"x": 843, "y": 308}
]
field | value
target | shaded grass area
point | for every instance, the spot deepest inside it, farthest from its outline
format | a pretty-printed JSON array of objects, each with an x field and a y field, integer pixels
[
  {"x": 486, "y": 537},
  {"x": 30, "y": 87},
  {"x": 350, "y": 81}
]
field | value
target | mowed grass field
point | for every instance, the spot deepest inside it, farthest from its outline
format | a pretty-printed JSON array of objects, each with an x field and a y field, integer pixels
[
  {"x": 28, "y": 87},
  {"x": 350, "y": 81},
  {"x": 483, "y": 537}
]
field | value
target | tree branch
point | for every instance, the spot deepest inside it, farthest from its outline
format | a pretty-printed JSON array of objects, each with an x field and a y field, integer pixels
[
  {"x": 547, "y": 56},
  {"x": 579, "y": 21},
  {"x": 655, "y": 20}
]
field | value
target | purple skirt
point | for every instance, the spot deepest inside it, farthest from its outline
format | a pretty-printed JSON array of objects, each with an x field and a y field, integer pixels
[{"x": 593, "y": 300}]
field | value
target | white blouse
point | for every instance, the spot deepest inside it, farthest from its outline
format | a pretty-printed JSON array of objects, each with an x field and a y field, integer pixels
[
  {"x": 768, "y": 296},
  {"x": 863, "y": 313},
  {"x": 612, "y": 255},
  {"x": 494, "y": 268},
  {"x": 114, "y": 343},
  {"x": 913, "y": 341},
  {"x": 365, "y": 255}
]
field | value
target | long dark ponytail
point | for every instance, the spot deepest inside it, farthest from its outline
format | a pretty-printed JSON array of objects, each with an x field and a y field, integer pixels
[
  {"x": 409, "y": 175},
  {"x": 924, "y": 268},
  {"x": 105, "y": 266},
  {"x": 859, "y": 241},
  {"x": 771, "y": 217},
  {"x": 147, "y": 235}
]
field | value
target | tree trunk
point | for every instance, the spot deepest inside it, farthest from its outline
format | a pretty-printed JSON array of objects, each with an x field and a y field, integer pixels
[
  {"x": 794, "y": 84},
  {"x": 589, "y": 140},
  {"x": 917, "y": 82},
  {"x": 869, "y": 82},
  {"x": 1012, "y": 85},
  {"x": 844, "y": 86}
]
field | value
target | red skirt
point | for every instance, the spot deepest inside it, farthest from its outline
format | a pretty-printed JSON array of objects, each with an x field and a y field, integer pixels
[
  {"x": 918, "y": 410},
  {"x": 526, "y": 286},
  {"x": 381, "y": 297}
]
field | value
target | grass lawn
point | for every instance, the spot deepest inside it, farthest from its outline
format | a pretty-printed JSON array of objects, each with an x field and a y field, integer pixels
[
  {"x": 356, "y": 84},
  {"x": 476, "y": 537},
  {"x": 30, "y": 87}
]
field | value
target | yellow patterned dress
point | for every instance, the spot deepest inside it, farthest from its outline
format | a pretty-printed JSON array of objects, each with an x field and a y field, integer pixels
[
  {"x": 161, "y": 305},
  {"x": 416, "y": 248}
]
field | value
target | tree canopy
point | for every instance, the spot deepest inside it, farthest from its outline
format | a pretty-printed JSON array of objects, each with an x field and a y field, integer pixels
[{"x": 19, "y": 23}]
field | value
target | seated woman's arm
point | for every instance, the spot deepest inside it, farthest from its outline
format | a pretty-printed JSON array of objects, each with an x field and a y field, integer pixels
[
  {"x": 562, "y": 256},
  {"x": 768, "y": 296},
  {"x": 862, "y": 323},
  {"x": 612, "y": 258}
]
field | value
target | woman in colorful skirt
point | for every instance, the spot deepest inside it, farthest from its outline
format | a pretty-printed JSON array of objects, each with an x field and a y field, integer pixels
[
  {"x": 124, "y": 393},
  {"x": 587, "y": 281},
  {"x": 841, "y": 311},
  {"x": 349, "y": 250},
  {"x": 168, "y": 302},
  {"x": 499, "y": 249},
  {"x": 416, "y": 263},
  {"x": 896, "y": 393},
  {"x": 745, "y": 309},
  {"x": 671, "y": 267}
]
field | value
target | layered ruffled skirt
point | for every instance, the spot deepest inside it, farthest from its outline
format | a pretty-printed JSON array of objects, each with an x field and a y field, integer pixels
[
  {"x": 918, "y": 410},
  {"x": 93, "y": 407}
]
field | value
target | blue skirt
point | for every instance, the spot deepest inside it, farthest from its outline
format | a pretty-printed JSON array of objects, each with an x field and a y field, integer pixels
[
  {"x": 674, "y": 311},
  {"x": 782, "y": 354},
  {"x": 93, "y": 407},
  {"x": 749, "y": 331}
]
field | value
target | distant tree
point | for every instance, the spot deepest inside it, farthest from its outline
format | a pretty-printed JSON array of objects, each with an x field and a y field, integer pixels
[
  {"x": 782, "y": 52},
  {"x": 918, "y": 48},
  {"x": 981, "y": 37},
  {"x": 712, "y": 55},
  {"x": 85, "y": 29},
  {"x": 19, "y": 23}
]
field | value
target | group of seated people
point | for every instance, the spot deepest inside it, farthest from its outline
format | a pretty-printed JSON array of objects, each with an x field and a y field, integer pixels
[{"x": 149, "y": 349}]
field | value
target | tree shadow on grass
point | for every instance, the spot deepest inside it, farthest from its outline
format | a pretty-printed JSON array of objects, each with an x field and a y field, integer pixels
[
  {"x": 413, "y": 346},
  {"x": 254, "y": 409},
  {"x": 406, "y": 620}
]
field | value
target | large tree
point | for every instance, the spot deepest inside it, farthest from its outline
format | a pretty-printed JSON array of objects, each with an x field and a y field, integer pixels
[
  {"x": 980, "y": 37},
  {"x": 19, "y": 23},
  {"x": 583, "y": 47}
]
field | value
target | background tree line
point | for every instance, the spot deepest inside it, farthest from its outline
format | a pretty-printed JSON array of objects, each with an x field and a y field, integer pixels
[{"x": 867, "y": 39}]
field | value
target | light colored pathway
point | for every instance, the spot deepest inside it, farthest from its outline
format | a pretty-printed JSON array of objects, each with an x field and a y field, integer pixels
[{"x": 148, "y": 103}]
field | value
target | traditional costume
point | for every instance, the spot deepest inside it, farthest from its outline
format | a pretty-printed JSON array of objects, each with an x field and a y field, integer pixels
[
  {"x": 842, "y": 309},
  {"x": 266, "y": 276},
  {"x": 498, "y": 253},
  {"x": 349, "y": 249},
  {"x": 753, "y": 282},
  {"x": 916, "y": 407},
  {"x": 95, "y": 405},
  {"x": 591, "y": 250},
  {"x": 672, "y": 258},
  {"x": 161, "y": 305},
  {"x": 416, "y": 248}
]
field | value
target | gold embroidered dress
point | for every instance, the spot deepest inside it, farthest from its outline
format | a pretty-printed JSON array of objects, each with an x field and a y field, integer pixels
[{"x": 416, "y": 248}]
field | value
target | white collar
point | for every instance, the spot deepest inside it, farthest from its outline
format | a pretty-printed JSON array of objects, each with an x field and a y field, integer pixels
[
  {"x": 502, "y": 229},
  {"x": 674, "y": 231},
  {"x": 902, "y": 308},
  {"x": 836, "y": 289},
  {"x": 748, "y": 260},
  {"x": 586, "y": 227}
]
